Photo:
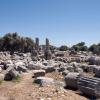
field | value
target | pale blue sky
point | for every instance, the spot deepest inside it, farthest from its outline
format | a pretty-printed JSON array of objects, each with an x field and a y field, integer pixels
[{"x": 62, "y": 21}]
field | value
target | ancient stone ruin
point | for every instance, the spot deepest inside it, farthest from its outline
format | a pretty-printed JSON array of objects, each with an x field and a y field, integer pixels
[
  {"x": 79, "y": 72},
  {"x": 47, "y": 52},
  {"x": 37, "y": 44},
  {"x": 89, "y": 86}
]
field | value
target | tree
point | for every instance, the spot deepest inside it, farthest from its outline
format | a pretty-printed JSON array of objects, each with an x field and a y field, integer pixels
[
  {"x": 30, "y": 44},
  {"x": 81, "y": 44},
  {"x": 80, "y": 47},
  {"x": 95, "y": 48},
  {"x": 84, "y": 48},
  {"x": 63, "y": 48},
  {"x": 75, "y": 47},
  {"x": 13, "y": 42}
]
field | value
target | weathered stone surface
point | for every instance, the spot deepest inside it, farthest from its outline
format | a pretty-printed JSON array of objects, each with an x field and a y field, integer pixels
[
  {"x": 70, "y": 68},
  {"x": 47, "y": 52},
  {"x": 93, "y": 68},
  {"x": 19, "y": 63},
  {"x": 90, "y": 68},
  {"x": 2, "y": 66},
  {"x": 10, "y": 68},
  {"x": 61, "y": 69},
  {"x": 89, "y": 86},
  {"x": 9, "y": 65},
  {"x": 84, "y": 67},
  {"x": 37, "y": 44},
  {"x": 44, "y": 81},
  {"x": 87, "y": 68},
  {"x": 16, "y": 57},
  {"x": 79, "y": 70},
  {"x": 38, "y": 73},
  {"x": 71, "y": 80},
  {"x": 9, "y": 62},
  {"x": 11, "y": 75},
  {"x": 0, "y": 69},
  {"x": 34, "y": 54},
  {"x": 65, "y": 72},
  {"x": 94, "y": 60},
  {"x": 45, "y": 63},
  {"x": 59, "y": 54},
  {"x": 33, "y": 66},
  {"x": 49, "y": 69},
  {"x": 96, "y": 70},
  {"x": 59, "y": 83},
  {"x": 74, "y": 64},
  {"x": 21, "y": 69}
]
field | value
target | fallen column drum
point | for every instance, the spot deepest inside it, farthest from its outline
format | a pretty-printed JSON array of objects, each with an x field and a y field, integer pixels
[{"x": 89, "y": 86}]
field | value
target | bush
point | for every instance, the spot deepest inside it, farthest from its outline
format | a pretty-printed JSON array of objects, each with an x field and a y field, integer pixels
[
  {"x": 13, "y": 42},
  {"x": 80, "y": 47},
  {"x": 63, "y": 48},
  {"x": 95, "y": 48}
]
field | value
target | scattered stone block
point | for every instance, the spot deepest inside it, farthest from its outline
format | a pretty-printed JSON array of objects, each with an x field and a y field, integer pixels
[
  {"x": 38, "y": 73},
  {"x": 44, "y": 81},
  {"x": 21, "y": 69},
  {"x": 49, "y": 69},
  {"x": 71, "y": 80},
  {"x": 89, "y": 86},
  {"x": 11, "y": 75},
  {"x": 65, "y": 72}
]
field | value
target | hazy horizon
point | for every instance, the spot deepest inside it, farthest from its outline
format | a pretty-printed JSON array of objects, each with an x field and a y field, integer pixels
[{"x": 63, "y": 22}]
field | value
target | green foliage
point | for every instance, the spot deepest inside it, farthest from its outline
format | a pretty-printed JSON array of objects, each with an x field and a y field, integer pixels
[
  {"x": 81, "y": 44},
  {"x": 13, "y": 42},
  {"x": 63, "y": 48},
  {"x": 80, "y": 47},
  {"x": 95, "y": 48}
]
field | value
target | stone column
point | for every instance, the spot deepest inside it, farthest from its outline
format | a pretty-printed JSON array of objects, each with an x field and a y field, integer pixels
[
  {"x": 47, "y": 44},
  {"x": 37, "y": 44},
  {"x": 35, "y": 51},
  {"x": 47, "y": 52}
]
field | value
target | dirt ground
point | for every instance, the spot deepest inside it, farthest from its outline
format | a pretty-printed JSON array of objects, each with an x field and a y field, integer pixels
[{"x": 25, "y": 89}]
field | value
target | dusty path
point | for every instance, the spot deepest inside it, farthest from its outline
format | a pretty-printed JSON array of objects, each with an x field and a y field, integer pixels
[
  {"x": 17, "y": 90},
  {"x": 26, "y": 90}
]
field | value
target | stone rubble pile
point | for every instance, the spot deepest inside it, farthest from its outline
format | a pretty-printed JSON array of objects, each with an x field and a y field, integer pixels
[{"x": 71, "y": 67}]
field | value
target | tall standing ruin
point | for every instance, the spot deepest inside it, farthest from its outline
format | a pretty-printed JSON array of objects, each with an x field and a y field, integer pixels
[
  {"x": 47, "y": 52},
  {"x": 37, "y": 44},
  {"x": 35, "y": 51},
  {"x": 47, "y": 44}
]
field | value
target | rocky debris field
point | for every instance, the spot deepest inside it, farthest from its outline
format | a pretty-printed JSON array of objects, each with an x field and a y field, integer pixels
[{"x": 64, "y": 77}]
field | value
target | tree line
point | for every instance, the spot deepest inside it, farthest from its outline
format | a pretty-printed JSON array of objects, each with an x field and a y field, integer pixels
[
  {"x": 13, "y": 42},
  {"x": 94, "y": 48}
]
